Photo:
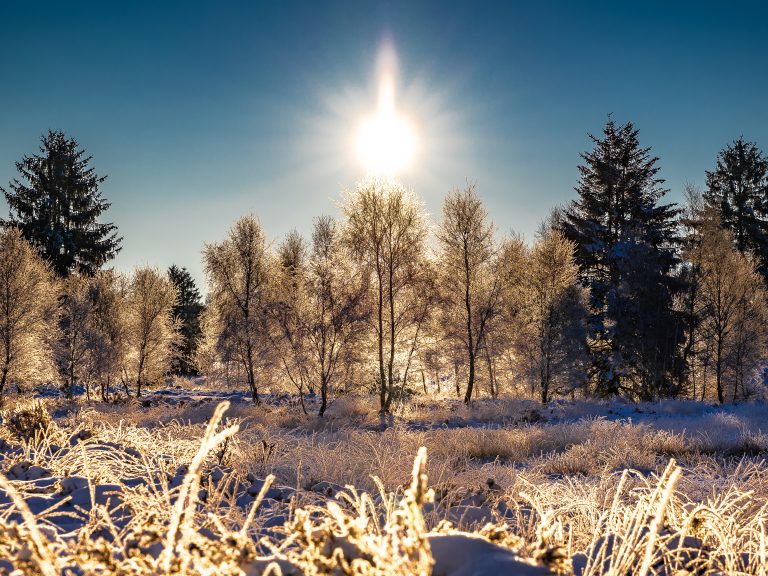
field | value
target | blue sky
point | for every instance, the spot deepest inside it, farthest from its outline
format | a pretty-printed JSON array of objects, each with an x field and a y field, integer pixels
[{"x": 202, "y": 111}]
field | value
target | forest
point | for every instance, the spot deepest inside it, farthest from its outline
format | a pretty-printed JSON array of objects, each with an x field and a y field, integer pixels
[
  {"x": 619, "y": 293},
  {"x": 393, "y": 395}
]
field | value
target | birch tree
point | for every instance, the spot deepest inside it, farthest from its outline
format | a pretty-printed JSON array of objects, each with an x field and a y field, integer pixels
[
  {"x": 73, "y": 351},
  {"x": 288, "y": 310},
  {"x": 151, "y": 331},
  {"x": 385, "y": 229},
  {"x": 471, "y": 277},
  {"x": 28, "y": 302},
  {"x": 732, "y": 300},
  {"x": 107, "y": 330},
  {"x": 553, "y": 334},
  {"x": 337, "y": 312},
  {"x": 237, "y": 271}
]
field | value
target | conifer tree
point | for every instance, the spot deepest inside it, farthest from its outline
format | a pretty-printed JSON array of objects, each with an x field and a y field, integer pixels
[
  {"x": 738, "y": 189},
  {"x": 186, "y": 311},
  {"x": 56, "y": 203},
  {"x": 626, "y": 249}
]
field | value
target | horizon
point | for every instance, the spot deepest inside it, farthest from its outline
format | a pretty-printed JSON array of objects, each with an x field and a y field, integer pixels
[{"x": 197, "y": 118}]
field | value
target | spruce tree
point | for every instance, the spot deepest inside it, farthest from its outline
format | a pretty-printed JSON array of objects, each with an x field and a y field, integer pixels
[
  {"x": 56, "y": 203},
  {"x": 187, "y": 312},
  {"x": 626, "y": 249},
  {"x": 738, "y": 189}
]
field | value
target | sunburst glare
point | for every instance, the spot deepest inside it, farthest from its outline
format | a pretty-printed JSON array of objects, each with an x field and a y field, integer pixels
[{"x": 386, "y": 140}]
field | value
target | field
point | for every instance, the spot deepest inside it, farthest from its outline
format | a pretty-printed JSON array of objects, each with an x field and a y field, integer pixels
[{"x": 190, "y": 480}]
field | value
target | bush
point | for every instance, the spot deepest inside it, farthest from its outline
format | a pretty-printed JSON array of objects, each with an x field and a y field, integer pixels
[{"x": 28, "y": 422}]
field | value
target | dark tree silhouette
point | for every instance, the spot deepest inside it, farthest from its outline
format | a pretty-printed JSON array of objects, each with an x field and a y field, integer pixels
[
  {"x": 626, "y": 249},
  {"x": 56, "y": 204},
  {"x": 187, "y": 312},
  {"x": 738, "y": 189}
]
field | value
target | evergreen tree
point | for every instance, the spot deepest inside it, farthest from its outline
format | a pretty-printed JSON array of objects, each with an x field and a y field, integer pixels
[
  {"x": 738, "y": 189},
  {"x": 626, "y": 249},
  {"x": 187, "y": 312},
  {"x": 56, "y": 205}
]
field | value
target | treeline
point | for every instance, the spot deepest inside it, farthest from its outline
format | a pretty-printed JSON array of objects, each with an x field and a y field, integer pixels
[{"x": 618, "y": 294}]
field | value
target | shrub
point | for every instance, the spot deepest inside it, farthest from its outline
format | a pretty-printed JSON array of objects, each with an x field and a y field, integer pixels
[{"x": 28, "y": 422}]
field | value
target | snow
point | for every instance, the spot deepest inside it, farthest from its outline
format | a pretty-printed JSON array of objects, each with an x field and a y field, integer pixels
[
  {"x": 471, "y": 555},
  {"x": 65, "y": 502}
]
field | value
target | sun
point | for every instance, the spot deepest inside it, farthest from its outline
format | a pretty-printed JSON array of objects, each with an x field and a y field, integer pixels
[
  {"x": 386, "y": 144},
  {"x": 386, "y": 140}
]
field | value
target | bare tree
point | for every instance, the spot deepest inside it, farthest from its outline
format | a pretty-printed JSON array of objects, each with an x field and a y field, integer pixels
[
  {"x": 689, "y": 302},
  {"x": 237, "y": 270},
  {"x": 552, "y": 333},
  {"x": 106, "y": 333},
  {"x": 731, "y": 292},
  {"x": 72, "y": 351},
  {"x": 471, "y": 277},
  {"x": 513, "y": 261},
  {"x": 27, "y": 312},
  {"x": 386, "y": 230},
  {"x": 749, "y": 344},
  {"x": 217, "y": 355},
  {"x": 152, "y": 331},
  {"x": 288, "y": 307},
  {"x": 418, "y": 303},
  {"x": 337, "y": 313}
]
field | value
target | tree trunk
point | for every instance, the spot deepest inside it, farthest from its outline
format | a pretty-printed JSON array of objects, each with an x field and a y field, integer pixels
[
  {"x": 470, "y": 379},
  {"x": 71, "y": 382},
  {"x": 456, "y": 380},
  {"x": 3, "y": 379},
  {"x": 382, "y": 377},
  {"x": 470, "y": 338},
  {"x": 545, "y": 377},
  {"x": 250, "y": 375},
  {"x": 719, "y": 370},
  {"x": 391, "y": 364},
  {"x": 323, "y": 395},
  {"x": 491, "y": 375},
  {"x": 7, "y": 359}
]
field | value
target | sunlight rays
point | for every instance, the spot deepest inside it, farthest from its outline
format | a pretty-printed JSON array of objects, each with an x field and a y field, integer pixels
[{"x": 386, "y": 141}]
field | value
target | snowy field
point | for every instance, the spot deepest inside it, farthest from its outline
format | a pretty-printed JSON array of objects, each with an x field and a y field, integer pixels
[{"x": 194, "y": 481}]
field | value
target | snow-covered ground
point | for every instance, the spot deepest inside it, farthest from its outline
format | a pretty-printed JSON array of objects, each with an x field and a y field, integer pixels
[{"x": 149, "y": 487}]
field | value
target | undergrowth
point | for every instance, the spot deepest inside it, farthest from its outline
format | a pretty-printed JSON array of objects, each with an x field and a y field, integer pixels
[{"x": 238, "y": 497}]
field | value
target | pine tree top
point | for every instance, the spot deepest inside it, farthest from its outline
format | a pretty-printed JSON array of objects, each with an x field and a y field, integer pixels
[{"x": 56, "y": 203}]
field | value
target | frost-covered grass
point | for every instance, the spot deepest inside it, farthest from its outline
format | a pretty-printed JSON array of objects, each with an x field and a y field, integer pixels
[{"x": 175, "y": 484}]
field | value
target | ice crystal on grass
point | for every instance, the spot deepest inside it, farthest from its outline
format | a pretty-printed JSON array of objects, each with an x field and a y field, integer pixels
[{"x": 94, "y": 497}]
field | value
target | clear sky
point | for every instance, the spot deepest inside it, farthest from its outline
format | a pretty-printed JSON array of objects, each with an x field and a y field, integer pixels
[{"x": 202, "y": 111}]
